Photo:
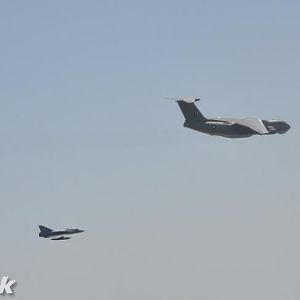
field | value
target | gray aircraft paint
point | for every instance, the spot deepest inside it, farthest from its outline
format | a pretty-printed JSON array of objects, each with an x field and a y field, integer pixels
[
  {"x": 228, "y": 127},
  {"x": 57, "y": 235}
]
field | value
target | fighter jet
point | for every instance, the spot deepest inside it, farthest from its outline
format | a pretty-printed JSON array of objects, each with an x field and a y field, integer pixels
[
  {"x": 57, "y": 235},
  {"x": 227, "y": 127}
]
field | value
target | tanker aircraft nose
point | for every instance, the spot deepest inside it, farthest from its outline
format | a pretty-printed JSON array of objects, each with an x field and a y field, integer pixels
[{"x": 283, "y": 127}]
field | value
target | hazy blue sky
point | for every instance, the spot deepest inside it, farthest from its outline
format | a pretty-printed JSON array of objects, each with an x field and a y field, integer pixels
[{"x": 88, "y": 141}]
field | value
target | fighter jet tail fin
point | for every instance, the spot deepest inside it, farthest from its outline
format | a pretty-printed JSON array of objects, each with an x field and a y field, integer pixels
[
  {"x": 189, "y": 109},
  {"x": 45, "y": 229}
]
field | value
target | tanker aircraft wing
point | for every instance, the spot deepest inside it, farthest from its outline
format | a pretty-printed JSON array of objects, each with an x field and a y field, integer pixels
[{"x": 253, "y": 123}]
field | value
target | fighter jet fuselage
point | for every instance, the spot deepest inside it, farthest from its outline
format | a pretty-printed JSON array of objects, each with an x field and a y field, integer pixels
[{"x": 228, "y": 127}]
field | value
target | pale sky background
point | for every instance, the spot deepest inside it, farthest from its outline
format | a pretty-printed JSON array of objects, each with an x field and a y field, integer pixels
[{"x": 88, "y": 141}]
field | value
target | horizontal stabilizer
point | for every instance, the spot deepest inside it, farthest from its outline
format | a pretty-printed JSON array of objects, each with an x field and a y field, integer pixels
[{"x": 185, "y": 99}]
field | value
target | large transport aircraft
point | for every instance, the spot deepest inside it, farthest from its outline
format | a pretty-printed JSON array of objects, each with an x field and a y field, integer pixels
[{"x": 227, "y": 127}]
